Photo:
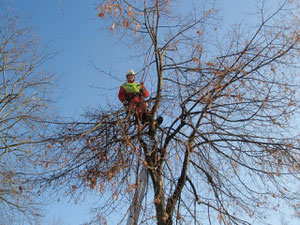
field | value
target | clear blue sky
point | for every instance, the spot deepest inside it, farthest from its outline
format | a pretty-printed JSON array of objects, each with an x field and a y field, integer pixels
[
  {"x": 76, "y": 33},
  {"x": 79, "y": 35}
]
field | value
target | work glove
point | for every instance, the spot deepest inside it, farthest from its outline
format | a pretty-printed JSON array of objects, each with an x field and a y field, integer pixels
[
  {"x": 125, "y": 103},
  {"x": 142, "y": 91}
]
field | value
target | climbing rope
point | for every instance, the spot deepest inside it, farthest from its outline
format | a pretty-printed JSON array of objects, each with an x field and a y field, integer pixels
[{"x": 147, "y": 66}]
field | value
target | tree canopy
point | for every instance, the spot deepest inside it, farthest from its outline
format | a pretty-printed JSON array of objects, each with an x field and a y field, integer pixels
[{"x": 228, "y": 149}]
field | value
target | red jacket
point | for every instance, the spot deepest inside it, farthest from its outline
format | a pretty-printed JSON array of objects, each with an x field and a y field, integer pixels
[{"x": 124, "y": 94}]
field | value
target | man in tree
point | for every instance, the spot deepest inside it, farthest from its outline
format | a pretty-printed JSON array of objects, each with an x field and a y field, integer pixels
[
  {"x": 229, "y": 153},
  {"x": 132, "y": 95}
]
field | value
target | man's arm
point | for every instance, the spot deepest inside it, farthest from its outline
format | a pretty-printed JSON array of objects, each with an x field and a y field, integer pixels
[
  {"x": 144, "y": 91},
  {"x": 121, "y": 94}
]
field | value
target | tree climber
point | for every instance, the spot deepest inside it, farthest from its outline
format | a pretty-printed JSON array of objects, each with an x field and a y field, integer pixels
[{"x": 132, "y": 95}]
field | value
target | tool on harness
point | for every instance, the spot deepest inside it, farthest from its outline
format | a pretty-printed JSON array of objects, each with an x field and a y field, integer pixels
[{"x": 125, "y": 103}]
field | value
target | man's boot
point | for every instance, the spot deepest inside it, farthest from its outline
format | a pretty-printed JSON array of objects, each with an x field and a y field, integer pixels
[{"x": 159, "y": 120}]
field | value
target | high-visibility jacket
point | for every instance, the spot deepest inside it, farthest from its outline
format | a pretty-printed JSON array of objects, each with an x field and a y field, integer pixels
[{"x": 128, "y": 92}]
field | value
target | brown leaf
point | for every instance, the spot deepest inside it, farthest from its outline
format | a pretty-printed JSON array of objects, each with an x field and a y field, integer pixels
[
  {"x": 135, "y": 30},
  {"x": 112, "y": 27},
  {"x": 199, "y": 32},
  {"x": 220, "y": 218}
]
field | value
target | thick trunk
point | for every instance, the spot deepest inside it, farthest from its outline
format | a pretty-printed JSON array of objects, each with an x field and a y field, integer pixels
[{"x": 159, "y": 198}]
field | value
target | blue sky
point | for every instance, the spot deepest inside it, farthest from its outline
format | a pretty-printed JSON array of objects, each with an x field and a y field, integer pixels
[
  {"x": 76, "y": 33},
  {"x": 80, "y": 37},
  {"x": 73, "y": 28}
]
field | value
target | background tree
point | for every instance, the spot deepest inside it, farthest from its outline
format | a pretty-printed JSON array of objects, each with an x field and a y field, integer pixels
[
  {"x": 24, "y": 100},
  {"x": 227, "y": 150}
]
